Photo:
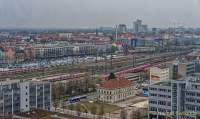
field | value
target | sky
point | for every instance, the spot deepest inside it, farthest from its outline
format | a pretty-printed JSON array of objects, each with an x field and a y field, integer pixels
[{"x": 96, "y": 13}]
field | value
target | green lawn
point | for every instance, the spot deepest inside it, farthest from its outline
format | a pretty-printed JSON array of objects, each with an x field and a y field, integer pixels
[{"x": 95, "y": 107}]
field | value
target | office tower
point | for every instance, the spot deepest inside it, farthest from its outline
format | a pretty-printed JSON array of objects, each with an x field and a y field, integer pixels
[
  {"x": 144, "y": 29},
  {"x": 122, "y": 28},
  {"x": 138, "y": 27}
]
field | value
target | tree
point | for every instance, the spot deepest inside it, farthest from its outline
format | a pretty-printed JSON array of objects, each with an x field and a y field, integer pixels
[
  {"x": 69, "y": 88},
  {"x": 78, "y": 109},
  {"x": 56, "y": 95},
  {"x": 123, "y": 114},
  {"x": 111, "y": 76},
  {"x": 101, "y": 111},
  {"x": 60, "y": 90},
  {"x": 94, "y": 110},
  {"x": 114, "y": 49},
  {"x": 71, "y": 107},
  {"x": 55, "y": 104},
  {"x": 136, "y": 114}
]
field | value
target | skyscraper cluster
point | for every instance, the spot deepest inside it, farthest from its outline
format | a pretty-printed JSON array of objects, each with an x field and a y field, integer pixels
[{"x": 139, "y": 27}]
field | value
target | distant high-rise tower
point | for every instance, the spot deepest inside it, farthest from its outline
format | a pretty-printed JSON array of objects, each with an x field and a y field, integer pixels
[
  {"x": 138, "y": 27},
  {"x": 122, "y": 28},
  {"x": 116, "y": 33},
  {"x": 144, "y": 28}
]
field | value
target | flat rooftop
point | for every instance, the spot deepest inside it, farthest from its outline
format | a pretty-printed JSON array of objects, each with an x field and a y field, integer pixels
[{"x": 164, "y": 83}]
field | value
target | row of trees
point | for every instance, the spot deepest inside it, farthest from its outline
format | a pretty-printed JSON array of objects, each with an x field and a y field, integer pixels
[
  {"x": 94, "y": 109},
  {"x": 100, "y": 110},
  {"x": 62, "y": 90},
  {"x": 135, "y": 114}
]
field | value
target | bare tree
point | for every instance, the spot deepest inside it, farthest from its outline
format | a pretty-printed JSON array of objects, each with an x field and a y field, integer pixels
[
  {"x": 71, "y": 107},
  {"x": 86, "y": 83},
  {"x": 136, "y": 114},
  {"x": 94, "y": 110},
  {"x": 56, "y": 95},
  {"x": 78, "y": 109},
  {"x": 123, "y": 114},
  {"x": 101, "y": 109}
]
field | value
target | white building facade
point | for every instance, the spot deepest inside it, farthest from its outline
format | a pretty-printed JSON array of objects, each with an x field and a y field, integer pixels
[{"x": 115, "y": 90}]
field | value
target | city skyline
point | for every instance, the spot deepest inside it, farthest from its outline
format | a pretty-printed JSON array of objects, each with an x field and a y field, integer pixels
[
  {"x": 96, "y": 13},
  {"x": 113, "y": 59}
]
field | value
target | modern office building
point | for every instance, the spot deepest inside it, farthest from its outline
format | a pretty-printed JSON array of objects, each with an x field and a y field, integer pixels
[
  {"x": 40, "y": 95},
  {"x": 9, "y": 97},
  {"x": 21, "y": 96},
  {"x": 175, "y": 99}
]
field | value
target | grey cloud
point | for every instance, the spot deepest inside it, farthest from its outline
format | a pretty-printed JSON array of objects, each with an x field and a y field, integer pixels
[{"x": 94, "y": 13}]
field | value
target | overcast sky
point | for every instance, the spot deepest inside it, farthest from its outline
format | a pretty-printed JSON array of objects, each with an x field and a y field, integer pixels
[{"x": 95, "y": 13}]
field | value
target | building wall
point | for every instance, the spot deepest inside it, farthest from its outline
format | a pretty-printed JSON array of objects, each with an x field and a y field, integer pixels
[
  {"x": 24, "y": 96},
  {"x": 114, "y": 95},
  {"x": 2, "y": 56},
  {"x": 10, "y": 97},
  {"x": 64, "y": 51},
  {"x": 185, "y": 69},
  {"x": 53, "y": 52},
  {"x": 163, "y": 74},
  {"x": 159, "y": 100},
  {"x": 40, "y": 95},
  {"x": 180, "y": 96},
  {"x": 10, "y": 55},
  {"x": 17, "y": 96}
]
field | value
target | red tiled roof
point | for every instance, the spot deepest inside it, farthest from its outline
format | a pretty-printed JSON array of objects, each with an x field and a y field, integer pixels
[{"x": 115, "y": 83}]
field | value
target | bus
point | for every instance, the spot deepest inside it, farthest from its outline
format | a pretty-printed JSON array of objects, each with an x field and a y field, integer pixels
[{"x": 77, "y": 98}]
